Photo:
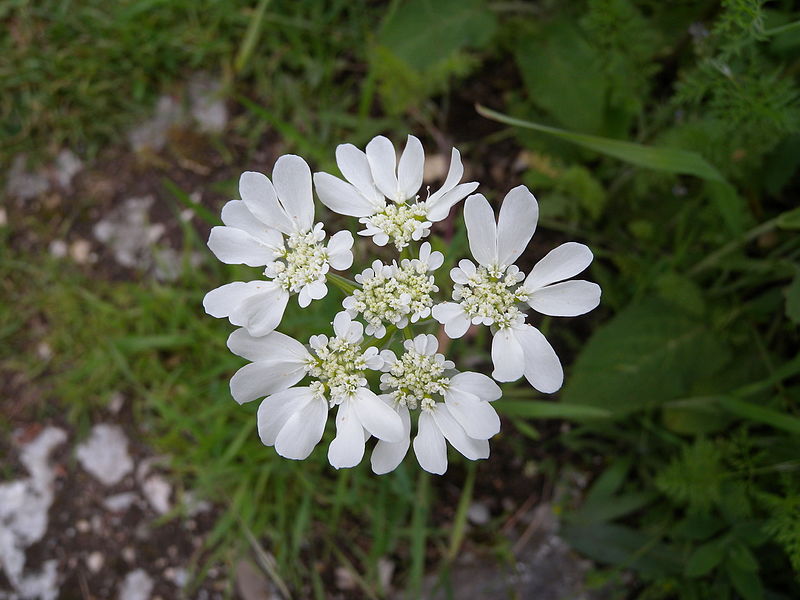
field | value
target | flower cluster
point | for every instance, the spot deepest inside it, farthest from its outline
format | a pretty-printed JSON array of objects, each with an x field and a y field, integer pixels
[{"x": 272, "y": 227}]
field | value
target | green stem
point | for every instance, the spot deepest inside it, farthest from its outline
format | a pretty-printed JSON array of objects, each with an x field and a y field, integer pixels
[
  {"x": 782, "y": 28},
  {"x": 343, "y": 283},
  {"x": 408, "y": 333}
]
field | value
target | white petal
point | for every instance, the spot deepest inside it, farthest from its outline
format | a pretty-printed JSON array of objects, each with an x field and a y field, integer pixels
[
  {"x": 566, "y": 299},
  {"x": 340, "y": 254},
  {"x": 302, "y": 431},
  {"x": 317, "y": 289},
  {"x": 478, "y": 418},
  {"x": 259, "y": 195},
  {"x": 454, "y": 175},
  {"x": 304, "y": 297},
  {"x": 429, "y": 445},
  {"x": 421, "y": 343},
  {"x": 476, "y": 383},
  {"x": 292, "y": 179},
  {"x": 409, "y": 171},
  {"x": 452, "y": 316},
  {"x": 236, "y": 247},
  {"x": 224, "y": 300},
  {"x": 481, "y": 229},
  {"x": 516, "y": 224},
  {"x": 382, "y": 162},
  {"x": 341, "y": 197},
  {"x": 507, "y": 356},
  {"x": 440, "y": 208},
  {"x": 387, "y": 456},
  {"x": 458, "y": 276},
  {"x": 341, "y": 324},
  {"x": 275, "y": 410},
  {"x": 354, "y": 166},
  {"x": 563, "y": 262},
  {"x": 269, "y": 347},
  {"x": 435, "y": 261},
  {"x": 452, "y": 430},
  {"x": 542, "y": 367},
  {"x": 262, "y": 312},
  {"x": 347, "y": 448},
  {"x": 259, "y": 379},
  {"x": 236, "y": 214},
  {"x": 377, "y": 417}
]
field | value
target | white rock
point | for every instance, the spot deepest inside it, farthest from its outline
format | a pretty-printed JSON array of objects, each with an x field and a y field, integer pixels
[
  {"x": 95, "y": 561},
  {"x": 24, "y": 504},
  {"x": 22, "y": 184},
  {"x": 157, "y": 490},
  {"x": 137, "y": 585},
  {"x": 478, "y": 513},
  {"x": 105, "y": 454},
  {"x": 120, "y": 502},
  {"x": 207, "y": 103},
  {"x": 67, "y": 165}
]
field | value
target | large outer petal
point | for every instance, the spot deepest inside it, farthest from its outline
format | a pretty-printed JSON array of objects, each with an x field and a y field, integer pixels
[
  {"x": 516, "y": 224},
  {"x": 292, "y": 179},
  {"x": 566, "y": 299},
  {"x": 439, "y": 209},
  {"x": 476, "y": 383},
  {"x": 303, "y": 430},
  {"x": 410, "y": 168},
  {"x": 376, "y": 417},
  {"x": 481, "y": 229},
  {"x": 259, "y": 196},
  {"x": 224, "y": 300},
  {"x": 275, "y": 410},
  {"x": 454, "y": 175},
  {"x": 383, "y": 163},
  {"x": 342, "y": 197},
  {"x": 387, "y": 456},
  {"x": 507, "y": 356},
  {"x": 478, "y": 417},
  {"x": 562, "y": 262},
  {"x": 542, "y": 366},
  {"x": 452, "y": 430},
  {"x": 236, "y": 247},
  {"x": 347, "y": 448},
  {"x": 262, "y": 312},
  {"x": 236, "y": 214},
  {"x": 259, "y": 379},
  {"x": 269, "y": 347},
  {"x": 429, "y": 445},
  {"x": 354, "y": 166}
]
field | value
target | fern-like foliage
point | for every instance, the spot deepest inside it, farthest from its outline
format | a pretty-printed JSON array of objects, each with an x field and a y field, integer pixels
[
  {"x": 784, "y": 523},
  {"x": 694, "y": 479}
]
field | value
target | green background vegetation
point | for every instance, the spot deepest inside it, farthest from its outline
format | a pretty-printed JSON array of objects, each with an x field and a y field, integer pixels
[{"x": 664, "y": 135}]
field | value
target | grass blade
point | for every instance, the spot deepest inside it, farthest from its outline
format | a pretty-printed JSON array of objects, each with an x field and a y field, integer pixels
[{"x": 671, "y": 160}]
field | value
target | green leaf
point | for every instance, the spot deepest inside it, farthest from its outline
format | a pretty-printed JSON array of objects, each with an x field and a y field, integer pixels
[
  {"x": 671, "y": 160},
  {"x": 534, "y": 409},
  {"x": 425, "y": 32},
  {"x": 609, "y": 543},
  {"x": 553, "y": 63},
  {"x": 705, "y": 558},
  {"x": 648, "y": 354},
  {"x": 793, "y": 299},
  {"x": 694, "y": 416},
  {"x": 748, "y": 410},
  {"x": 789, "y": 219},
  {"x": 741, "y": 556},
  {"x": 747, "y": 583}
]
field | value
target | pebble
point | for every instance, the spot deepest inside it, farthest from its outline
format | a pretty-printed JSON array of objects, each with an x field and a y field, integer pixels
[
  {"x": 157, "y": 490},
  {"x": 478, "y": 513},
  {"x": 95, "y": 561},
  {"x": 137, "y": 585}
]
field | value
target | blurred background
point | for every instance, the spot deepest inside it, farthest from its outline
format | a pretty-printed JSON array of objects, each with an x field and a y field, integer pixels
[{"x": 666, "y": 136}]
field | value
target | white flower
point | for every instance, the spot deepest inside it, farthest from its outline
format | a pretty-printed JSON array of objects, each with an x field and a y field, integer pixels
[
  {"x": 465, "y": 418},
  {"x": 395, "y": 294},
  {"x": 293, "y": 418},
  {"x": 493, "y": 293},
  {"x": 375, "y": 176},
  {"x": 252, "y": 235}
]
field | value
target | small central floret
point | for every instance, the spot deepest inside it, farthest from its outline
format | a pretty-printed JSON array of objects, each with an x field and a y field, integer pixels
[
  {"x": 392, "y": 294},
  {"x": 401, "y": 223},
  {"x": 492, "y": 295},
  {"x": 338, "y": 367},
  {"x": 415, "y": 378},
  {"x": 301, "y": 261}
]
